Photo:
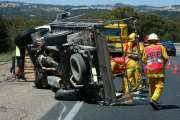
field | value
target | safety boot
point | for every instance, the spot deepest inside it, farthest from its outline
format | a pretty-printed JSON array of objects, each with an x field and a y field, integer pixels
[{"x": 154, "y": 105}]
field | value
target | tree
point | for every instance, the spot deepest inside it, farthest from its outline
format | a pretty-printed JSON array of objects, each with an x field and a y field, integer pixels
[
  {"x": 5, "y": 44},
  {"x": 151, "y": 23},
  {"x": 123, "y": 12}
]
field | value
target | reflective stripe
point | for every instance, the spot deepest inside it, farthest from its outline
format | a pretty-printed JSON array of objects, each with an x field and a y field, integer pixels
[
  {"x": 155, "y": 75},
  {"x": 154, "y": 60},
  {"x": 18, "y": 54}
]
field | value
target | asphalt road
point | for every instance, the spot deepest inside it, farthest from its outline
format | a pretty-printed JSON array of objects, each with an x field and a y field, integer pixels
[
  {"x": 141, "y": 110},
  {"x": 21, "y": 101}
]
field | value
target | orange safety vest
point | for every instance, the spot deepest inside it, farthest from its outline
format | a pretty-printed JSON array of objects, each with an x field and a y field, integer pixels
[
  {"x": 130, "y": 47},
  {"x": 154, "y": 60}
]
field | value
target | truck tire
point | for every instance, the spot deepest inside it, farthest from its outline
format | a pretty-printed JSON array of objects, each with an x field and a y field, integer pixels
[
  {"x": 40, "y": 80},
  {"x": 78, "y": 67}
]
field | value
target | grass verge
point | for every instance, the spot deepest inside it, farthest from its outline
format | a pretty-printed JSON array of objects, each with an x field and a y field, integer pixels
[{"x": 4, "y": 57}]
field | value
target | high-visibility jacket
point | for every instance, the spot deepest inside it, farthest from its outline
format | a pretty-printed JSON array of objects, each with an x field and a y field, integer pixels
[
  {"x": 18, "y": 53},
  {"x": 155, "y": 56},
  {"x": 133, "y": 49}
]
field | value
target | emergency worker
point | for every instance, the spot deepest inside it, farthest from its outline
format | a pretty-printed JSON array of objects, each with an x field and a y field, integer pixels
[
  {"x": 126, "y": 67},
  {"x": 20, "y": 62},
  {"x": 155, "y": 57},
  {"x": 134, "y": 51}
]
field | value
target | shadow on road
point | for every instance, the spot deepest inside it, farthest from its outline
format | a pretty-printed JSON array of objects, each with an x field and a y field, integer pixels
[{"x": 166, "y": 107}]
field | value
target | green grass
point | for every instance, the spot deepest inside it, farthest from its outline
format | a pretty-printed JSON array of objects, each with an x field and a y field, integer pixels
[{"x": 4, "y": 57}]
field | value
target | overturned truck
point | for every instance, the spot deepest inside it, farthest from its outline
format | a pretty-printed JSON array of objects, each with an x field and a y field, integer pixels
[{"x": 73, "y": 59}]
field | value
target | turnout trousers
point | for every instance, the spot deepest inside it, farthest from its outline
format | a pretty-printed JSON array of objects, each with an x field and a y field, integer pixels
[
  {"x": 156, "y": 86},
  {"x": 132, "y": 77}
]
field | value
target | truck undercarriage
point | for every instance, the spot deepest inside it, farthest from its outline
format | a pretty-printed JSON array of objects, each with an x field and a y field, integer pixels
[{"x": 73, "y": 59}]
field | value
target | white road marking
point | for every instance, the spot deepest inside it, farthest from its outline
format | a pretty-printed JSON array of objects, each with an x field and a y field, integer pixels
[
  {"x": 72, "y": 113},
  {"x": 62, "y": 112},
  {"x": 178, "y": 95}
]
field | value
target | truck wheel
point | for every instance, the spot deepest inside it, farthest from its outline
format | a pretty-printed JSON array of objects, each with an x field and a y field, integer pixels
[
  {"x": 78, "y": 67},
  {"x": 40, "y": 80}
]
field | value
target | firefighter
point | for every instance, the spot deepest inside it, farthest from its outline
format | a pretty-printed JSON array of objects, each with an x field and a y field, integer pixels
[
  {"x": 134, "y": 51},
  {"x": 126, "y": 67},
  {"x": 155, "y": 57}
]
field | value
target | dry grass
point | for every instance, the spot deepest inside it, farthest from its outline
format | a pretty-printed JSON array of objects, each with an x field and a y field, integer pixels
[{"x": 4, "y": 57}]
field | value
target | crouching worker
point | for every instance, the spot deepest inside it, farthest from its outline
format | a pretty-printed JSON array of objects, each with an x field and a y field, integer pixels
[
  {"x": 155, "y": 57},
  {"x": 126, "y": 67}
]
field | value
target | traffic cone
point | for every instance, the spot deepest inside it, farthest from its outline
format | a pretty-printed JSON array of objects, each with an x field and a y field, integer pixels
[
  {"x": 169, "y": 65},
  {"x": 176, "y": 70}
]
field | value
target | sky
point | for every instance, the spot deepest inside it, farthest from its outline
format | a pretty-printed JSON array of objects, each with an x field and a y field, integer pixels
[{"x": 104, "y": 2}]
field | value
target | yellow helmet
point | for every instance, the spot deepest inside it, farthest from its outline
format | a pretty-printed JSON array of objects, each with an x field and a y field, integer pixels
[{"x": 132, "y": 37}]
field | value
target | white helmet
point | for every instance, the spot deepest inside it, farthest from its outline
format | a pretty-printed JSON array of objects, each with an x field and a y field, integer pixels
[{"x": 153, "y": 36}]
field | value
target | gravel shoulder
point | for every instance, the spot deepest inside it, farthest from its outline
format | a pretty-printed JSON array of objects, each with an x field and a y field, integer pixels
[{"x": 20, "y": 100}]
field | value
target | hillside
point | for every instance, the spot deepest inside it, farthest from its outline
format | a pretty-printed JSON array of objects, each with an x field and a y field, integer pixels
[
  {"x": 49, "y": 12},
  {"x": 17, "y": 16}
]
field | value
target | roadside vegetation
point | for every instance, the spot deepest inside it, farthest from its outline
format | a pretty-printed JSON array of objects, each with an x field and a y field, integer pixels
[
  {"x": 4, "y": 57},
  {"x": 166, "y": 26},
  {"x": 9, "y": 28}
]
